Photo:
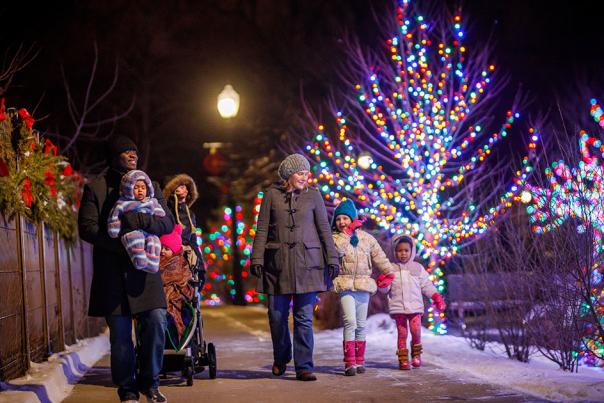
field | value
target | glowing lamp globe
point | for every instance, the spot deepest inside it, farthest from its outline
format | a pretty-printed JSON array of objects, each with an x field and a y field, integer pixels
[
  {"x": 365, "y": 161},
  {"x": 228, "y": 102},
  {"x": 526, "y": 197}
]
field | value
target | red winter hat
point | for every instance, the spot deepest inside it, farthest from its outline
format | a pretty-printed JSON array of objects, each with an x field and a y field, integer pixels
[{"x": 173, "y": 240}]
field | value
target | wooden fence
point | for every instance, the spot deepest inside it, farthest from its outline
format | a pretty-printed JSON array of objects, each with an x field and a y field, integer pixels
[{"x": 44, "y": 289}]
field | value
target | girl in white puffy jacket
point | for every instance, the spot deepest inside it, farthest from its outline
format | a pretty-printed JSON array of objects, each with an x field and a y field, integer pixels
[
  {"x": 405, "y": 288},
  {"x": 359, "y": 252}
]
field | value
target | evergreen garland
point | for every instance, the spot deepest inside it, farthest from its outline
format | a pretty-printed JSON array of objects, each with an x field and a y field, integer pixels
[{"x": 36, "y": 181}]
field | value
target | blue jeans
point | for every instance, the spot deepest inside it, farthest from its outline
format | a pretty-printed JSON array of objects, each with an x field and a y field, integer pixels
[
  {"x": 354, "y": 306},
  {"x": 278, "y": 315},
  {"x": 151, "y": 339}
]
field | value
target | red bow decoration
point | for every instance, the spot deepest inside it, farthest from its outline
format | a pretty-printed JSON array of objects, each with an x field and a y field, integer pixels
[
  {"x": 49, "y": 147},
  {"x": 26, "y": 117},
  {"x": 3, "y": 168},
  {"x": 26, "y": 194},
  {"x": 49, "y": 180},
  {"x": 2, "y": 110},
  {"x": 68, "y": 170}
]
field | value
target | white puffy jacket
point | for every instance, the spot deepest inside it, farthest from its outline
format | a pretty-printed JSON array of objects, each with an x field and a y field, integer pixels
[{"x": 410, "y": 281}]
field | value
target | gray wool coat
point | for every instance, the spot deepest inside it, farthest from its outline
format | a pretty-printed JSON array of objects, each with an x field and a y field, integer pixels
[{"x": 293, "y": 242}]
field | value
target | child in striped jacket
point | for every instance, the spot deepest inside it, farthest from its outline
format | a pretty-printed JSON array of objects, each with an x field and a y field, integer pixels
[{"x": 136, "y": 195}]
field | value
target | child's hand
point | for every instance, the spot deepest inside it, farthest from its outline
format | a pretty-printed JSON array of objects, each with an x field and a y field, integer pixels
[
  {"x": 384, "y": 280},
  {"x": 439, "y": 302}
]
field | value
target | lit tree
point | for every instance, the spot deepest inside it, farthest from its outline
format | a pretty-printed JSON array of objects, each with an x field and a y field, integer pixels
[
  {"x": 412, "y": 140},
  {"x": 574, "y": 193},
  {"x": 216, "y": 248}
]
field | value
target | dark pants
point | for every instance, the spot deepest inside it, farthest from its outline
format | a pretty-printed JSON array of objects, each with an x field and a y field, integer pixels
[
  {"x": 151, "y": 339},
  {"x": 278, "y": 315}
]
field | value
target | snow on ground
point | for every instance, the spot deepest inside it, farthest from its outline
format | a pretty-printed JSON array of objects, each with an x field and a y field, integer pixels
[
  {"x": 54, "y": 379},
  {"x": 539, "y": 377}
]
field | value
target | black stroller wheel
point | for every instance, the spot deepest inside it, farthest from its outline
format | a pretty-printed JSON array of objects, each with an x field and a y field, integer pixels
[{"x": 212, "y": 360}]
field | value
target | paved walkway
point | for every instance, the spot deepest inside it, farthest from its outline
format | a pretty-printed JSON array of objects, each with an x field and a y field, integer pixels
[{"x": 244, "y": 373}]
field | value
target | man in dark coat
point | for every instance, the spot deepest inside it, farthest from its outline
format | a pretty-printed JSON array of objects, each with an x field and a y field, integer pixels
[
  {"x": 120, "y": 293},
  {"x": 294, "y": 257}
]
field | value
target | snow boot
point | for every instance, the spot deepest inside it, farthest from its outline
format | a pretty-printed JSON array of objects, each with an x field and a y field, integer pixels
[
  {"x": 359, "y": 349},
  {"x": 403, "y": 358},
  {"x": 349, "y": 358},
  {"x": 416, "y": 352}
]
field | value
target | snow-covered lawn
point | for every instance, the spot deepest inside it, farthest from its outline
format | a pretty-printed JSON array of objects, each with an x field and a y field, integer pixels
[
  {"x": 54, "y": 379},
  {"x": 539, "y": 377}
]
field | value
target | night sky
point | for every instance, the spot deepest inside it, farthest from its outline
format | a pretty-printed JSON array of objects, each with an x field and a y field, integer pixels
[{"x": 175, "y": 57}]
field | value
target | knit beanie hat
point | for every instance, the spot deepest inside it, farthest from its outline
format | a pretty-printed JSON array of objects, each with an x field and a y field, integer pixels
[
  {"x": 173, "y": 240},
  {"x": 291, "y": 164},
  {"x": 347, "y": 208},
  {"x": 119, "y": 144}
]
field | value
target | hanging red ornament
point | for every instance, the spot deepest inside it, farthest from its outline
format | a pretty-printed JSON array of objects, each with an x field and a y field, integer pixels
[{"x": 215, "y": 163}]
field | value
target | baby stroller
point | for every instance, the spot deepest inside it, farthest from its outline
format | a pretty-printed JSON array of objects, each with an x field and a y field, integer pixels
[{"x": 187, "y": 350}]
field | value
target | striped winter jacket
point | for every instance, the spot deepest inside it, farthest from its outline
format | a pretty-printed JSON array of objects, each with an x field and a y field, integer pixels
[{"x": 126, "y": 201}]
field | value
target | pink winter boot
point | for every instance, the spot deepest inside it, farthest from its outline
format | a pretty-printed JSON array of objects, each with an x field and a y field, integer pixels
[
  {"x": 360, "y": 356},
  {"x": 416, "y": 352},
  {"x": 349, "y": 358}
]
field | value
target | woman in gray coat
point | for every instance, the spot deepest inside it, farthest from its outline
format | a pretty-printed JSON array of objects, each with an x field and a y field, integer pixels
[{"x": 295, "y": 258}]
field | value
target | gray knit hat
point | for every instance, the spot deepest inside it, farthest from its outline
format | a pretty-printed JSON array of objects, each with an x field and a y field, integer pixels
[{"x": 291, "y": 164}]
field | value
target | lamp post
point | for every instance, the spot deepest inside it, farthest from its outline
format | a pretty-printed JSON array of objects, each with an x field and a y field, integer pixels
[{"x": 228, "y": 107}]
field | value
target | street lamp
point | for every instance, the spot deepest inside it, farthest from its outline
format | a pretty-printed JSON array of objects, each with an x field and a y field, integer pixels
[
  {"x": 228, "y": 102},
  {"x": 228, "y": 106}
]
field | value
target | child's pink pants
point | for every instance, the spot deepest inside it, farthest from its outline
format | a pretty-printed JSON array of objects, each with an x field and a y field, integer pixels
[{"x": 415, "y": 322}]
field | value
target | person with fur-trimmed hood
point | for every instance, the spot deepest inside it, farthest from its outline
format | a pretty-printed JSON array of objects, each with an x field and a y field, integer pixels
[
  {"x": 180, "y": 192},
  {"x": 405, "y": 303},
  {"x": 359, "y": 252}
]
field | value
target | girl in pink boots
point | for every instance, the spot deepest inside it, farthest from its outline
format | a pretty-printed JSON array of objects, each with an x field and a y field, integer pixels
[
  {"x": 405, "y": 288},
  {"x": 359, "y": 251}
]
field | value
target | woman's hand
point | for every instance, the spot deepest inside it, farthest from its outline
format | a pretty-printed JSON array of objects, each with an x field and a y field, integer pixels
[
  {"x": 333, "y": 270},
  {"x": 256, "y": 270}
]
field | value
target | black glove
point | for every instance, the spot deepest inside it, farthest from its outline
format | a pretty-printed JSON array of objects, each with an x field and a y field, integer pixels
[
  {"x": 256, "y": 270},
  {"x": 333, "y": 270},
  {"x": 130, "y": 222}
]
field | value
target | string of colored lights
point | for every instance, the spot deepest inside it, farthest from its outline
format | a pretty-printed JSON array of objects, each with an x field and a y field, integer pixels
[
  {"x": 422, "y": 134},
  {"x": 578, "y": 193},
  {"x": 216, "y": 248}
]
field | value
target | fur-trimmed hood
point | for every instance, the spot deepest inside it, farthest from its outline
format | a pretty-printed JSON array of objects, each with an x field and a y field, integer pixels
[
  {"x": 176, "y": 181},
  {"x": 128, "y": 181}
]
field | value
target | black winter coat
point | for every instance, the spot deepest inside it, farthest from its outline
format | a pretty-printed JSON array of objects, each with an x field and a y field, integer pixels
[
  {"x": 117, "y": 288},
  {"x": 293, "y": 242}
]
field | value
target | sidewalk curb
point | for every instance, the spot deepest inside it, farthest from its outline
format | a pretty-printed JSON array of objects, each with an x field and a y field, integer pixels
[{"x": 53, "y": 380}]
